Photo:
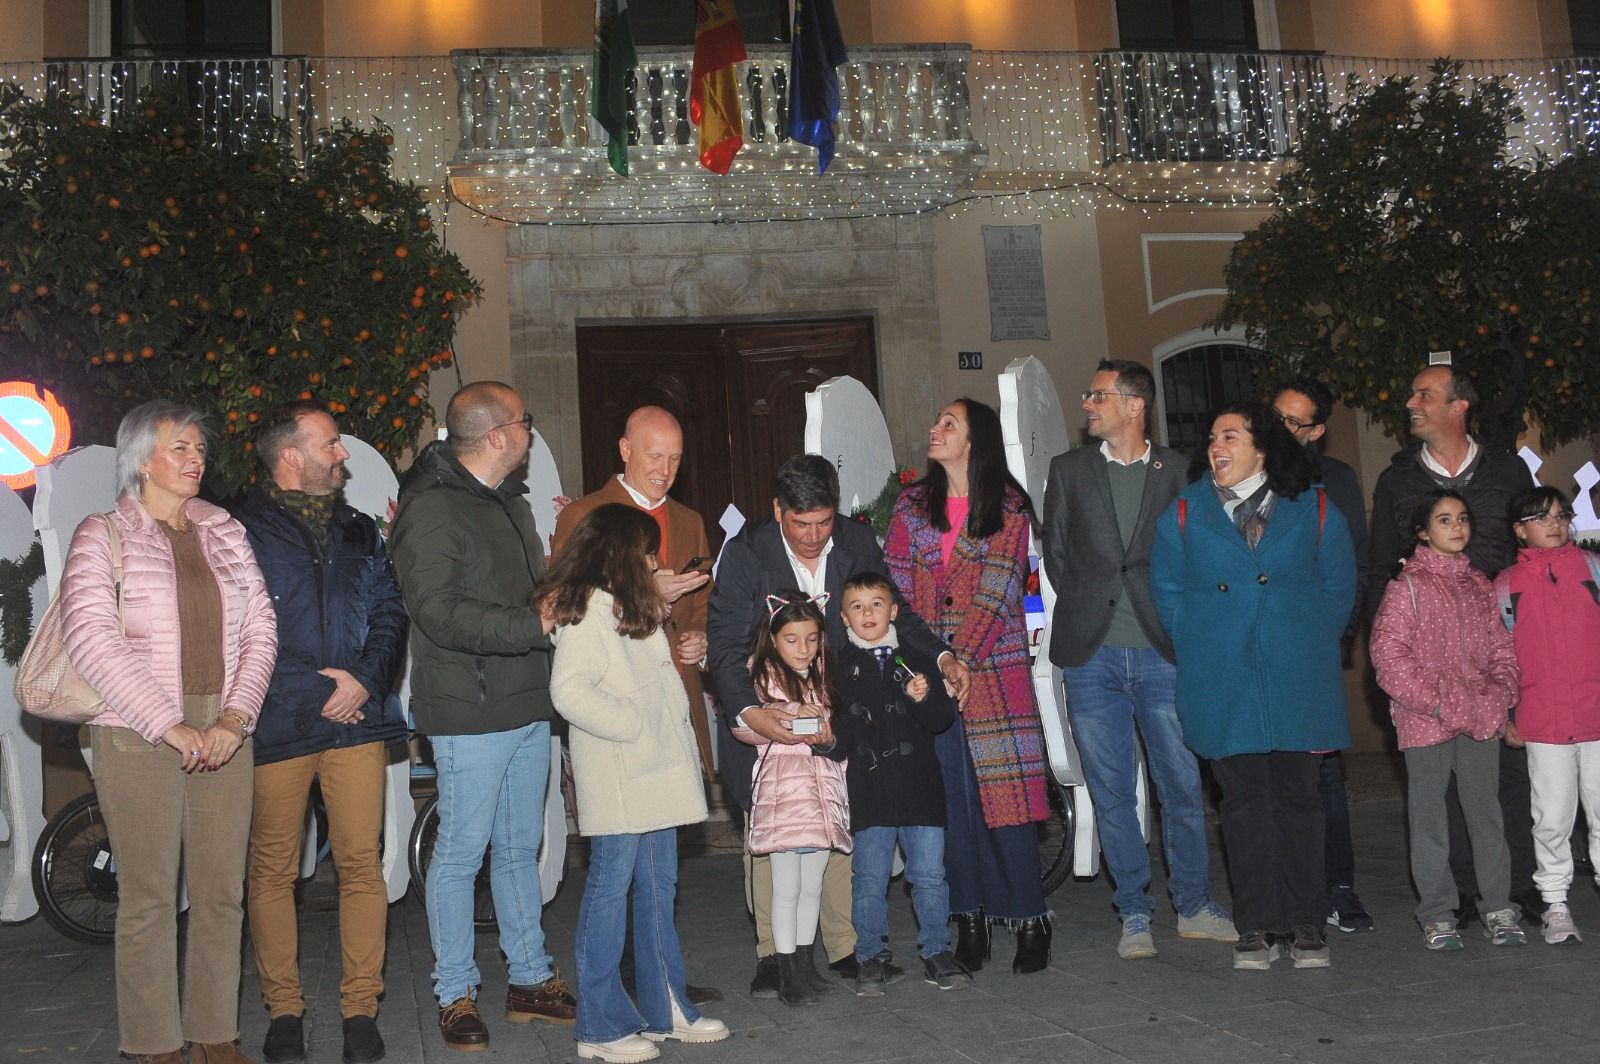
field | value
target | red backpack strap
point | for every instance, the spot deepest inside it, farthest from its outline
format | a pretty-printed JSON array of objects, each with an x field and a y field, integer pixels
[
  {"x": 1322, "y": 513},
  {"x": 1183, "y": 515}
]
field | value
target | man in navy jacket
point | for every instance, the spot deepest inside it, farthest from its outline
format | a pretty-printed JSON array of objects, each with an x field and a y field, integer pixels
[{"x": 329, "y": 714}]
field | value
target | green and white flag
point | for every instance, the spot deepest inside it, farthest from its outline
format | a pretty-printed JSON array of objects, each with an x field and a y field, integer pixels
[{"x": 614, "y": 57}]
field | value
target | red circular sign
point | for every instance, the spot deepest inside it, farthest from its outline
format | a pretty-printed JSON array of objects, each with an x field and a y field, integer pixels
[{"x": 33, "y": 429}]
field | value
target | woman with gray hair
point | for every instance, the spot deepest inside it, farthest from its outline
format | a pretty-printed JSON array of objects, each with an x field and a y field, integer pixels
[{"x": 181, "y": 648}]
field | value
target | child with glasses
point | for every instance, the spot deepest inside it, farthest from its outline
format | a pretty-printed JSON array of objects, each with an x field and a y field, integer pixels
[{"x": 1550, "y": 600}]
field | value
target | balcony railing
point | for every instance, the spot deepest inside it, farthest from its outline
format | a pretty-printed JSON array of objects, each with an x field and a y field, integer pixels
[
  {"x": 528, "y": 151},
  {"x": 1204, "y": 107},
  {"x": 919, "y": 126}
]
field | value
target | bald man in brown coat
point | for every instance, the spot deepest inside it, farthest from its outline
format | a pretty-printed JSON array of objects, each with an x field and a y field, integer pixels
[{"x": 651, "y": 448}]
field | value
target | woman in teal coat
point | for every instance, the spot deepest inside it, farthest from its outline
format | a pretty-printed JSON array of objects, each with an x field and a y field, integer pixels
[{"x": 1254, "y": 577}]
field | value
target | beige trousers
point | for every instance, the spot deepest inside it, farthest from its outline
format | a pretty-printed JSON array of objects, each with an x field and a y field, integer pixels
[
  {"x": 838, "y": 934},
  {"x": 352, "y": 780},
  {"x": 159, "y": 819}
]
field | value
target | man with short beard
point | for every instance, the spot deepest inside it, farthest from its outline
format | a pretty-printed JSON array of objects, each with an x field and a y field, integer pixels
[{"x": 328, "y": 716}]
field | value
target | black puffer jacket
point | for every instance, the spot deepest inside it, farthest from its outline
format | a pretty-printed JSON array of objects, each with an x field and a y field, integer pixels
[
  {"x": 1497, "y": 478},
  {"x": 338, "y": 608},
  {"x": 468, "y": 556},
  {"x": 886, "y": 740}
]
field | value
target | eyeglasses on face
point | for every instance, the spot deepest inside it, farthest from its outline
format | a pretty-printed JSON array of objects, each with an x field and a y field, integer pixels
[
  {"x": 1098, "y": 397},
  {"x": 1546, "y": 519},
  {"x": 1294, "y": 424},
  {"x": 526, "y": 421}
]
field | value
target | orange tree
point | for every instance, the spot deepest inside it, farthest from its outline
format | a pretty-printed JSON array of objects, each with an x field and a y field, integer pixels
[
  {"x": 138, "y": 261},
  {"x": 1405, "y": 226}
]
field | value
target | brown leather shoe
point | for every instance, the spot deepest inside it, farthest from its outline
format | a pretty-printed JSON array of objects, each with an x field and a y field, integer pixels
[
  {"x": 217, "y": 1053},
  {"x": 174, "y": 1057},
  {"x": 462, "y": 1027},
  {"x": 550, "y": 1001}
]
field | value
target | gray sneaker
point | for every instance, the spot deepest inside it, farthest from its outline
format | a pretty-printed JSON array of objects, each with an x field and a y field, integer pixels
[
  {"x": 1500, "y": 927},
  {"x": 1210, "y": 922},
  {"x": 1256, "y": 951},
  {"x": 1136, "y": 942},
  {"x": 1558, "y": 925},
  {"x": 942, "y": 970}
]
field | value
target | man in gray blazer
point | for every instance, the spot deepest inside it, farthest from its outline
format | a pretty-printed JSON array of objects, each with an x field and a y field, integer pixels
[{"x": 1100, "y": 511}]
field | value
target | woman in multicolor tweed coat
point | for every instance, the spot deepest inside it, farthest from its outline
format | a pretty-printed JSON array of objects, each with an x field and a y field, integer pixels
[{"x": 958, "y": 550}]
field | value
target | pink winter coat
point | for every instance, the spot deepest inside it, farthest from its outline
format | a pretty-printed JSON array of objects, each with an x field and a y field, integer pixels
[
  {"x": 1557, "y": 635},
  {"x": 798, "y": 800},
  {"x": 1446, "y": 662},
  {"x": 139, "y": 674}
]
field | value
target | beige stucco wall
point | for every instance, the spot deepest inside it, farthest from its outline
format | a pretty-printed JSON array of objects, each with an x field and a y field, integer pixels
[
  {"x": 21, "y": 31},
  {"x": 1422, "y": 29},
  {"x": 1072, "y": 300},
  {"x": 1022, "y": 25},
  {"x": 430, "y": 27}
]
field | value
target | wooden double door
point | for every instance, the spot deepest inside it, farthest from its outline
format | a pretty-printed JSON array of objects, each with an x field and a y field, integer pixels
[{"x": 737, "y": 387}]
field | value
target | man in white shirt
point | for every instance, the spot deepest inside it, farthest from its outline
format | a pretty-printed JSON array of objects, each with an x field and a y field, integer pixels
[{"x": 803, "y": 546}]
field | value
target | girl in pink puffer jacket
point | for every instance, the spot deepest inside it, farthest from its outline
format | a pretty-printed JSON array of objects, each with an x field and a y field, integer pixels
[
  {"x": 799, "y": 807},
  {"x": 1450, "y": 669}
]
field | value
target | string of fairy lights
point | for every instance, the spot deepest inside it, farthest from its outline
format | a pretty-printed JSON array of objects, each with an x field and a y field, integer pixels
[{"x": 921, "y": 129}]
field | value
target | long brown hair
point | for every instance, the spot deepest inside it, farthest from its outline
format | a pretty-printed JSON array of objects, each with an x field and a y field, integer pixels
[
  {"x": 608, "y": 551},
  {"x": 783, "y": 609}
]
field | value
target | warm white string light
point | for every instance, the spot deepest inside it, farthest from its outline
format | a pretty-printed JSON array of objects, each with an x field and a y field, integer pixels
[{"x": 1052, "y": 133}]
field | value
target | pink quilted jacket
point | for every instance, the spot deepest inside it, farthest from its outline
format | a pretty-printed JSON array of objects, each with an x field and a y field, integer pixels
[
  {"x": 1447, "y": 662},
  {"x": 798, "y": 799},
  {"x": 139, "y": 675}
]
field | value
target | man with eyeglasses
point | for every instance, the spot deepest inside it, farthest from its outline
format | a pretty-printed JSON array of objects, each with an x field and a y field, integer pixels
[
  {"x": 468, "y": 557},
  {"x": 1444, "y": 455},
  {"x": 1100, "y": 511},
  {"x": 1304, "y": 405}
]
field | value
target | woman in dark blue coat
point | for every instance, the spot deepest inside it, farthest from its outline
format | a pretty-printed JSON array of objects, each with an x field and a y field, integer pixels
[{"x": 1254, "y": 578}]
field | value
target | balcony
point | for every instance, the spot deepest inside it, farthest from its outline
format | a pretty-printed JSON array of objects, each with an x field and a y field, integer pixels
[
  {"x": 528, "y": 153},
  {"x": 921, "y": 128}
]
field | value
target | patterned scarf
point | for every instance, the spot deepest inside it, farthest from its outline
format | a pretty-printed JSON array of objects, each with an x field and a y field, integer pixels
[
  {"x": 1251, "y": 515},
  {"x": 315, "y": 510}
]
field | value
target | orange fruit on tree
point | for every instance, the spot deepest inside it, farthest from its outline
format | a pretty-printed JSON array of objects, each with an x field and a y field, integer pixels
[{"x": 412, "y": 400}]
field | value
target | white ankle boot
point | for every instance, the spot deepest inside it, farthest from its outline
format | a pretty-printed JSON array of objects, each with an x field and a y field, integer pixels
[{"x": 629, "y": 1049}]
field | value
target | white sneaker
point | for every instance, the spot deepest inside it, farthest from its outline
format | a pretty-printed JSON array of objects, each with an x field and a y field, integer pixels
[
  {"x": 629, "y": 1049},
  {"x": 1558, "y": 925},
  {"x": 705, "y": 1029}
]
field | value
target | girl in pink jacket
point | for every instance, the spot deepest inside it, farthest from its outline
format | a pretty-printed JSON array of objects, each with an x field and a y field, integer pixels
[
  {"x": 1449, "y": 668},
  {"x": 799, "y": 808},
  {"x": 1549, "y": 601}
]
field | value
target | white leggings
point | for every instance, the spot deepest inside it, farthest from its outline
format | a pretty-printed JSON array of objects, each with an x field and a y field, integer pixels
[{"x": 796, "y": 897}]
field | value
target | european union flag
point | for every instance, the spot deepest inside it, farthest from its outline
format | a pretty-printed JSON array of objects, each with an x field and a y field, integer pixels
[{"x": 814, "y": 78}]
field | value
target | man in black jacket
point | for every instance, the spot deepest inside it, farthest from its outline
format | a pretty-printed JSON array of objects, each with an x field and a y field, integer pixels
[
  {"x": 329, "y": 715},
  {"x": 1304, "y": 405},
  {"x": 803, "y": 546},
  {"x": 468, "y": 556},
  {"x": 1446, "y": 456}
]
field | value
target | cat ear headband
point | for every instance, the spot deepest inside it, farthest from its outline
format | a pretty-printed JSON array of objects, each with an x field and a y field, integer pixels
[{"x": 778, "y": 602}]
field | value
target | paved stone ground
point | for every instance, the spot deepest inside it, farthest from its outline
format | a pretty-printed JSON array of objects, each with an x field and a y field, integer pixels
[{"x": 1385, "y": 999}]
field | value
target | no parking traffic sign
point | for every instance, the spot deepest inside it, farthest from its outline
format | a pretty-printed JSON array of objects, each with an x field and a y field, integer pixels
[{"x": 33, "y": 429}]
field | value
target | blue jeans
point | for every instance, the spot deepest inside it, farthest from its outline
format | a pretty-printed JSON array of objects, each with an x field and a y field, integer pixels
[
  {"x": 491, "y": 791},
  {"x": 649, "y": 863},
  {"x": 871, "y": 865},
  {"x": 989, "y": 870},
  {"x": 1106, "y": 696}
]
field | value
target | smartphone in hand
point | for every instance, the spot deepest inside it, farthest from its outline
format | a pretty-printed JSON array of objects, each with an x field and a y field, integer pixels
[{"x": 698, "y": 565}]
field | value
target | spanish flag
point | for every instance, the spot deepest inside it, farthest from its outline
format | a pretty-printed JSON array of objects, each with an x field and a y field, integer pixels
[{"x": 713, "y": 90}]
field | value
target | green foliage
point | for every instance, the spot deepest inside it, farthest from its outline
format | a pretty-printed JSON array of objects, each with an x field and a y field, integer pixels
[
  {"x": 1405, "y": 228},
  {"x": 876, "y": 514},
  {"x": 137, "y": 261}
]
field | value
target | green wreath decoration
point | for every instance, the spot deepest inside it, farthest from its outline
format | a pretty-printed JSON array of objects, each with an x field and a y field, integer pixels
[
  {"x": 876, "y": 513},
  {"x": 16, "y": 601}
]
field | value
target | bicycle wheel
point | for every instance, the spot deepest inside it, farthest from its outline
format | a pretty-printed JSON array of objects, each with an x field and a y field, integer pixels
[
  {"x": 420, "y": 852},
  {"x": 75, "y": 874},
  {"x": 1056, "y": 837}
]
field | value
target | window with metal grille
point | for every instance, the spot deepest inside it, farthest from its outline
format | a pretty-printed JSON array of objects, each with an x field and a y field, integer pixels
[{"x": 1194, "y": 383}]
